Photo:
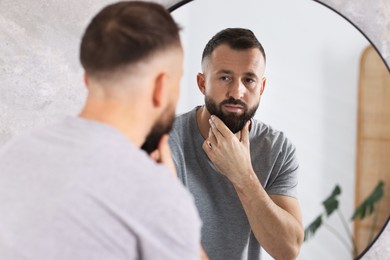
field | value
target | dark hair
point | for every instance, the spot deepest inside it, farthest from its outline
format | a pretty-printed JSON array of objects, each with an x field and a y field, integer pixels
[
  {"x": 125, "y": 33},
  {"x": 236, "y": 38}
]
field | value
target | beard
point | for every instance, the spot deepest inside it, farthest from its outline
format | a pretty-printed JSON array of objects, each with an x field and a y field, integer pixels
[
  {"x": 233, "y": 121},
  {"x": 160, "y": 128}
]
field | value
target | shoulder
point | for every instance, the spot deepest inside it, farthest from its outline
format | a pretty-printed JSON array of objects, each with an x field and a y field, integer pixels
[
  {"x": 276, "y": 159},
  {"x": 267, "y": 132},
  {"x": 23, "y": 141},
  {"x": 154, "y": 197},
  {"x": 150, "y": 183},
  {"x": 183, "y": 120},
  {"x": 270, "y": 139},
  {"x": 182, "y": 127},
  {"x": 151, "y": 202}
]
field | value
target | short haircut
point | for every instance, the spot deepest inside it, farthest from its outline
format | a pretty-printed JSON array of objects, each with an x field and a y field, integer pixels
[
  {"x": 125, "y": 33},
  {"x": 235, "y": 38}
]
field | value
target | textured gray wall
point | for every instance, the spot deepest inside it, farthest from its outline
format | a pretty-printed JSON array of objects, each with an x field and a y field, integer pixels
[
  {"x": 40, "y": 75},
  {"x": 372, "y": 17}
]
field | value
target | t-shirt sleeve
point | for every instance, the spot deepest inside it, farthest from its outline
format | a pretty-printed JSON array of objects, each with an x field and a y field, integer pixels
[{"x": 284, "y": 176}]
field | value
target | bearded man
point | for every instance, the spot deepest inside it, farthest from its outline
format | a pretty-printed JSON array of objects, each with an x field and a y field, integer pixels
[{"x": 242, "y": 172}]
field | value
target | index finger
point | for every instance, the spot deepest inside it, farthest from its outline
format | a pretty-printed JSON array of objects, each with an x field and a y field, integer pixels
[{"x": 220, "y": 126}]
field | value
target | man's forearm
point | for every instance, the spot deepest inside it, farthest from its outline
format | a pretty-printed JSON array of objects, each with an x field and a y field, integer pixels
[{"x": 279, "y": 232}]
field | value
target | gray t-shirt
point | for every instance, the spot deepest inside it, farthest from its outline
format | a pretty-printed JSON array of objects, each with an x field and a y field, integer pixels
[
  {"x": 226, "y": 233},
  {"x": 81, "y": 190}
]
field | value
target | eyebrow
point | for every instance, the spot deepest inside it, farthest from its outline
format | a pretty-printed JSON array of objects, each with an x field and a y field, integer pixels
[
  {"x": 250, "y": 74},
  {"x": 229, "y": 72},
  {"x": 225, "y": 72}
]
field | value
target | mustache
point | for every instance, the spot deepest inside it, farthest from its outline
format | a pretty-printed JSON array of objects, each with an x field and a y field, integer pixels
[{"x": 233, "y": 101}]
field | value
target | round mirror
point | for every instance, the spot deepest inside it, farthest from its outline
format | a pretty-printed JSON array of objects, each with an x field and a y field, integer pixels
[
  {"x": 313, "y": 71},
  {"x": 312, "y": 94}
]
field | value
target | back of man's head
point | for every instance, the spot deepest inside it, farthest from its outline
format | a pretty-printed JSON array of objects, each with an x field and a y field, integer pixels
[
  {"x": 235, "y": 38},
  {"x": 125, "y": 33}
]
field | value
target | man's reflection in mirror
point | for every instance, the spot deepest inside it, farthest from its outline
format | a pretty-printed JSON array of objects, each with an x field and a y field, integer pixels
[{"x": 241, "y": 171}]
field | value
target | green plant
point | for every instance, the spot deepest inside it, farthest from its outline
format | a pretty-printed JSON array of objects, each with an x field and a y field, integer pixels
[{"x": 331, "y": 205}]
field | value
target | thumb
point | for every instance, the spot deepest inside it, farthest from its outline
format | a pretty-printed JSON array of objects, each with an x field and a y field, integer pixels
[
  {"x": 164, "y": 153},
  {"x": 163, "y": 148}
]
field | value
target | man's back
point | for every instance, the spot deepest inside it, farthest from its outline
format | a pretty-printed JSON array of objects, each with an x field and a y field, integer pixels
[{"x": 81, "y": 190}]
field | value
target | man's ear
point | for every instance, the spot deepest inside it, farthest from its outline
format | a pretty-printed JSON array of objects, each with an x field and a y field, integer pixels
[
  {"x": 86, "y": 80},
  {"x": 262, "y": 87},
  {"x": 160, "y": 89},
  {"x": 201, "y": 80}
]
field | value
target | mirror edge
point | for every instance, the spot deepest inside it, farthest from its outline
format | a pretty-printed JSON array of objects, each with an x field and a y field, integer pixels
[
  {"x": 178, "y": 5},
  {"x": 374, "y": 241}
]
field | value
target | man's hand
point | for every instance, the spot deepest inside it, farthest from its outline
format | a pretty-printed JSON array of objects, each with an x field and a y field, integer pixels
[
  {"x": 163, "y": 154},
  {"x": 269, "y": 218},
  {"x": 203, "y": 255},
  {"x": 229, "y": 154}
]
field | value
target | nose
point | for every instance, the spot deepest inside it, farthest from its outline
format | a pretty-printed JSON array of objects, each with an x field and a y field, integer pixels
[{"x": 236, "y": 89}]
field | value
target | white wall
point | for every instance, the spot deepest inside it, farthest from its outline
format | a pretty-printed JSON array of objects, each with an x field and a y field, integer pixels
[{"x": 311, "y": 93}]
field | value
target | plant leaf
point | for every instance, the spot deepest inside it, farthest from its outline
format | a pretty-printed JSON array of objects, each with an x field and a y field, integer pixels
[
  {"x": 369, "y": 202},
  {"x": 312, "y": 228},
  {"x": 332, "y": 203}
]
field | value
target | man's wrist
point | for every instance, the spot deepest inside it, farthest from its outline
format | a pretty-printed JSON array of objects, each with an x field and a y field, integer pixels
[{"x": 244, "y": 181}]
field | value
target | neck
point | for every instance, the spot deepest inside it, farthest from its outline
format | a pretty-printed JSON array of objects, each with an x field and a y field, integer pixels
[
  {"x": 118, "y": 117},
  {"x": 202, "y": 119}
]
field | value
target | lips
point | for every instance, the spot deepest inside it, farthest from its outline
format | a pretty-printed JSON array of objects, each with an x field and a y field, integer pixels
[{"x": 233, "y": 108}]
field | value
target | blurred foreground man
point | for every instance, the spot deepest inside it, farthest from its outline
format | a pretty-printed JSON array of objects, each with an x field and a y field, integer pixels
[
  {"x": 242, "y": 172},
  {"x": 82, "y": 188}
]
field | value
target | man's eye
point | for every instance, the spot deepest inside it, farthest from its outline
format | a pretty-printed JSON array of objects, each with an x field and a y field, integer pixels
[
  {"x": 225, "y": 78},
  {"x": 249, "y": 80}
]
